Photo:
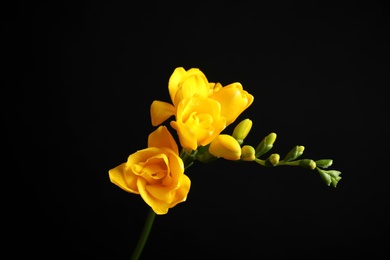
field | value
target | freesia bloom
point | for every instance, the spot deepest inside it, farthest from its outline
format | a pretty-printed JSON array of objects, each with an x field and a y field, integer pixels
[
  {"x": 198, "y": 121},
  {"x": 201, "y": 109},
  {"x": 156, "y": 173},
  {"x": 233, "y": 99}
]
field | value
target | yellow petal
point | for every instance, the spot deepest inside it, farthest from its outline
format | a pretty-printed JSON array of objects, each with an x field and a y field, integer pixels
[
  {"x": 182, "y": 191},
  {"x": 183, "y": 84},
  {"x": 193, "y": 84},
  {"x": 174, "y": 81},
  {"x": 234, "y": 100},
  {"x": 160, "y": 111},
  {"x": 214, "y": 87},
  {"x": 142, "y": 155},
  {"x": 187, "y": 136},
  {"x": 160, "y": 207},
  {"x": 176, "y": 169},
  {"x": 161, "y": 137},
  {"x": 124, "y": 178},
  {"x": 161, "y": 193}
]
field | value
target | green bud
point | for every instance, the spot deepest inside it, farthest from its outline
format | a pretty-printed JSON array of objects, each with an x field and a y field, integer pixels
[
  {"x": 307, "y": 163},
  {"x": 272, "y": 160},
  {"x": 294, "y": 153},
  {"x": 324, "y": 163},
  {"x": 265, "y": 145},
  {"x": 247, "y": 153},
  {"x": 241, "y": 130},
  {"x": 330, "y": 177}
]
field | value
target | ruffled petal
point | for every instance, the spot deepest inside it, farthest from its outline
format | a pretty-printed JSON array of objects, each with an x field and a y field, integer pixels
[
  {"x": 161, "y": 137},
  {"x": 176, "y": 167},
  {"x": 182, "y": 191},
  {"x": 160, "y": 111},
  {"x": 187, "y": 136},
  {"x": 160, "y": 192},
  {"x": 195, "y": 83},
  {"x": 124, "y": 178},
  {"x": 160, "y": 207},
  {"x": 142, "y": 155},
  {"x": 183, "y": 84},
  {"x": 174, "y": 81},
  {"x": 198, "y": 121}
]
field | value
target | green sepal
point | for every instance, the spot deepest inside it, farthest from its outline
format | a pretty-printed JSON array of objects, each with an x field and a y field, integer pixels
[
  {"x": 324, "y": 163},
  {"x": 188, "y": 157},
  {"x": 330, "y": 177},
  {"x": 203, "y": 154}
]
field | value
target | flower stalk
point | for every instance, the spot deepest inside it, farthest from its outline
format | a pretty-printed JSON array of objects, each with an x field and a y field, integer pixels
[{"x": 144, "y": 235}]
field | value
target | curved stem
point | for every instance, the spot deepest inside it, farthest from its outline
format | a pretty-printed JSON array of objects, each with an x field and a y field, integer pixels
[{"x": 144, "y": 235}]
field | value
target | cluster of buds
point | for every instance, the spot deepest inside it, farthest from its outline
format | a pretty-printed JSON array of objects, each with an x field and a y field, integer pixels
[{"x": 232, "y": 147}]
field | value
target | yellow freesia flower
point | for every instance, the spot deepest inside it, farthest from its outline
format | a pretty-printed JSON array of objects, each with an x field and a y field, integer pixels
[
  {"x": 233, "y": 99},
  {"x": 198, "y": 121},
  {"x": 156, "y": 173},
  {"x": 225, "y": 146},
  {"x": 182, "y": 84},
  {"x": 189, "y": 91}
]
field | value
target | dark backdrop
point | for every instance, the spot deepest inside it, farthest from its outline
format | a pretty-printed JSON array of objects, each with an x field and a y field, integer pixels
[{"x": 78, "y": 83}]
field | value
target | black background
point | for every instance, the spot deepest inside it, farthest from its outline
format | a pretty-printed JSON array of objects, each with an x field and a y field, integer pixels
[{"x": 79, "y": 80}]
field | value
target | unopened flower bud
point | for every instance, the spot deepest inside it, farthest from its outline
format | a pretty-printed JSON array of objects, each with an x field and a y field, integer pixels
[
  {"x": 308, "y": 164},
  {"x": 248, "y": 153},
  {"x": 266, "y": 144},
  {"x": 241, "y": 130},
  {"x": 272, "y": 160},
  {"x": 294, "y": 153},
  {"x": 225, "y": 146}
]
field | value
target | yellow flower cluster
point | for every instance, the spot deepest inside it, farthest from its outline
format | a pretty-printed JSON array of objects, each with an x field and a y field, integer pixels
[{"x": 201, "y": 111}]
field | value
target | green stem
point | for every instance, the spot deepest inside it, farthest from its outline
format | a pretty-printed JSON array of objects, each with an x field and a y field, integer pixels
[
  {"x": 292, "y": 163},
  {"x": 259, "y": 161},
  {"x": 144, "y": 235},
  {"x": 188, "y": 157}
]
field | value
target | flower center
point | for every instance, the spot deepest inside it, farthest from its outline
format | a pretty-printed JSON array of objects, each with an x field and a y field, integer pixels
[{"x": 154, "y": 170}]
